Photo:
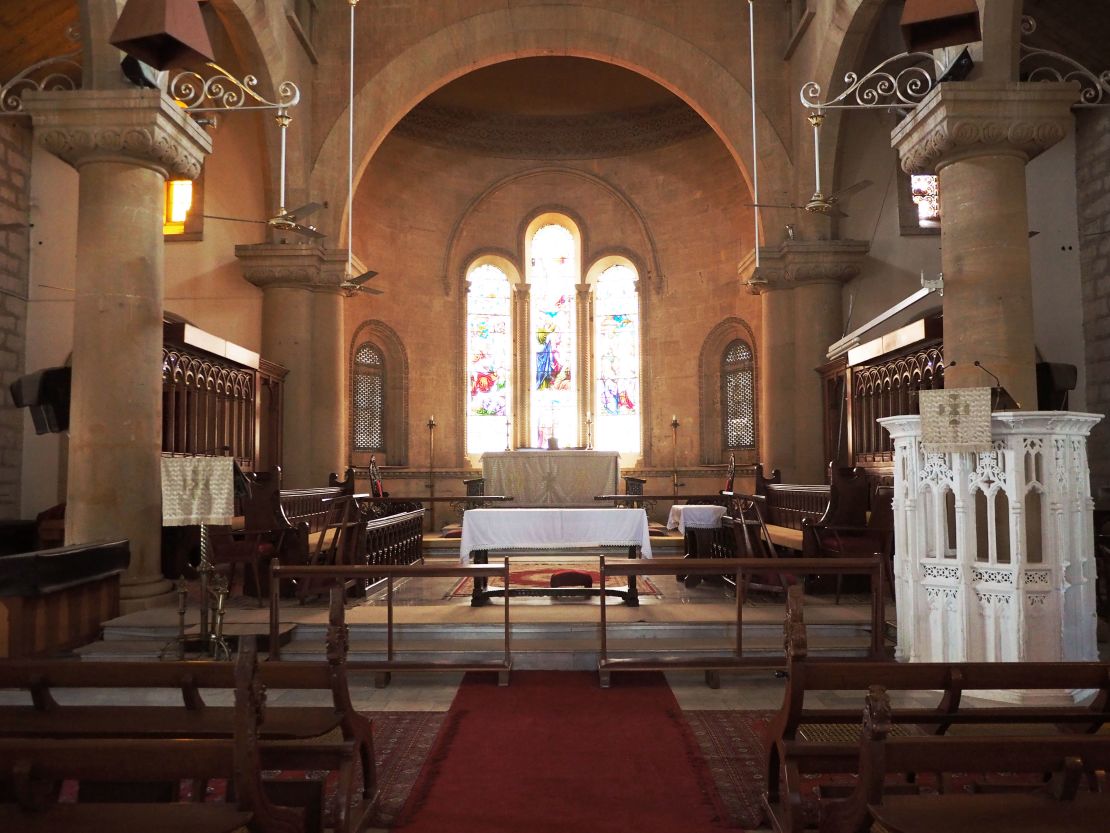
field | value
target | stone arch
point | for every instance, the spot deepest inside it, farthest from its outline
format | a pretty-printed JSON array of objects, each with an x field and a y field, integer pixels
[
  {"x": 396, "y": 416},
  {"x": 451, "y": 263},
  {"x": 711, "y": 449},
  {"x": 712, "y": 89}
]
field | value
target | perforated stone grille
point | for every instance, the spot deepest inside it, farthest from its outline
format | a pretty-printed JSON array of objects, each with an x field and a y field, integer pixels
[
  {"x": 738, "y": 396},
  {"x": 369, "y": 399}
]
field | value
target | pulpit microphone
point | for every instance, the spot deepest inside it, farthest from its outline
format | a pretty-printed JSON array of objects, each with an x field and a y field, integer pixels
[{"x": 1002, "y": 393}]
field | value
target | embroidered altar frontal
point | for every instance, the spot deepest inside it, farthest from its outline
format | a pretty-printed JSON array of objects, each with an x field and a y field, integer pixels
[{"x": 551, "y": 478}]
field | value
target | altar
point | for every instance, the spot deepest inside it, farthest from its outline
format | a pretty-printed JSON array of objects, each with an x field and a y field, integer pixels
[{"x": 534, "y": 477}]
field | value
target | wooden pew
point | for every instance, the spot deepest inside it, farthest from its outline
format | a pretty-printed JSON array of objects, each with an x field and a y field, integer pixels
[
  {"x": 295, "y": 737},
  {"x": 807, "y": 729},
  {"x": 31, "y": 768},
  {"x": 56, "y": 599},
  {"x": 301, "y": 513},
  {"x": 1055, "y": 768},
  {"x": 793, "y": 510}
]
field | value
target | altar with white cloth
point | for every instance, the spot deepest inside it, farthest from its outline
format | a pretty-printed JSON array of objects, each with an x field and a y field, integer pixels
[
  {"x": 559, "y": 531},
  {"x": 534, "y": 477}
]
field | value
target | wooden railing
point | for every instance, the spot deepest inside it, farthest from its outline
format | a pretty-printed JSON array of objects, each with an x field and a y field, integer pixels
[
  {"x": 738, "y": 568},
  {"x": 384, "y": 668}
]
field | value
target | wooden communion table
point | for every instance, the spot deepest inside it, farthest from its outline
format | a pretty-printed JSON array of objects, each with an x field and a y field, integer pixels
[{"x": 561, "y": 531}]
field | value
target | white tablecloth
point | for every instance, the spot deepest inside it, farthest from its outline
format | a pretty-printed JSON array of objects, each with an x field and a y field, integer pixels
[
  {"x": 694, "y": 517},
  {"x": 552, "y": 529},
  {"x": 551, "y": 478},
  {"x": 197, "y": 490}
]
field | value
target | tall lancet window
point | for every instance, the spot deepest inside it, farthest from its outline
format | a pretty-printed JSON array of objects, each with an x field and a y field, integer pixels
[
  {"x": 553, "y": 272},
  {"x": 617, "y": 407},
  {"x": 738, "y": 396},
  {"x": 489, "y": 349}
]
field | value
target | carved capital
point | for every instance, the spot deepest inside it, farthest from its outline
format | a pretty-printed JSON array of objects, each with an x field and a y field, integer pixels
[
  {"x": 137, "y": 127},
  {"x": 297, "y": 265},
  {"x": 796, "y": 262},
  {"x": 966, "y": 119}
]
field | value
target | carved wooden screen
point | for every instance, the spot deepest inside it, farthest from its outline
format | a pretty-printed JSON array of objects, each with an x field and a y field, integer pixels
[
  {"x": 886, "y": 389},
  {"x": 208, "y": 407}
]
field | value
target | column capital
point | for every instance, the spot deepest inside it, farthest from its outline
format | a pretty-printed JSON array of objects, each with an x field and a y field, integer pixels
[
  {"x": 293, "y": 265},
  {"x": 959, "y": 120},
  {"x": 136, "y": 127},
  {"x": 797, "y": 262}
]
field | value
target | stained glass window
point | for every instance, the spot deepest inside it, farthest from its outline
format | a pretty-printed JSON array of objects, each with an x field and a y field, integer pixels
[
  {"x": 553, "y": 274},
  {"x": 926, "y": 196},
  {"x": 489, "y": 347},
  {"x": 738, "y": 396},
  {"x": 369, "y": 387},
  {"x": 616, "y": 420}
]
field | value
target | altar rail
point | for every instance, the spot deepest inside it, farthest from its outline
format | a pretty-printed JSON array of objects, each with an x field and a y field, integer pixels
[
  {"x": 738, "y": 568},
  {"x": 341, "y": 574}
]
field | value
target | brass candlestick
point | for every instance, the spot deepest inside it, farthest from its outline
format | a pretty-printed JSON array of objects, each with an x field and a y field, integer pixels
[
  {"x": 431, "y": 470},
  {"x": 674, "y": 456}
]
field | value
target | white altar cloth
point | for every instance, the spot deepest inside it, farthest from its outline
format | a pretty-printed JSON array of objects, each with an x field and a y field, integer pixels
[
  {"x": 694, "y": 516},
  {"x": 551, "y": 478},
  {"x": 553, "y": 529}
]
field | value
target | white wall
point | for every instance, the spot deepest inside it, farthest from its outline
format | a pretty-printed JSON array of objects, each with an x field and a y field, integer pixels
[
  {"x": 1054, "y": 260},
  {"x": 53, "y": 260}
]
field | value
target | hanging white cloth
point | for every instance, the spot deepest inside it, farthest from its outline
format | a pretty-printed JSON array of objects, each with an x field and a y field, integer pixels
[{"x": 197, "y": 490}]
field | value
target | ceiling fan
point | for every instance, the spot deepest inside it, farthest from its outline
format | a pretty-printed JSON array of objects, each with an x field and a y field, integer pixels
[
  {"x": 285, "y": 219},
  {"x": 820, "y": 203},
  {"x": 353, "y": 283}
]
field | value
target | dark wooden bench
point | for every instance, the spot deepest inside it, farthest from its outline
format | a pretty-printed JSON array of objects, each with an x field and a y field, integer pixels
[
  {"x": 31, "y": 768},
  {"x": 301, "y": 513},
  {"x": 296, "y": 737},
  {"x": 56, "y": 599},
  {"x": 1048, "y": 798},
  {"x": 793, "y": 511},
  {"x": 831, "y": 733}
]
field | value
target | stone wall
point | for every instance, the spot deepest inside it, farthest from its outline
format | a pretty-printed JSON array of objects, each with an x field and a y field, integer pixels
[
  {"x": 1092, "y": 157},
  {"x": 15, "y": 169}
]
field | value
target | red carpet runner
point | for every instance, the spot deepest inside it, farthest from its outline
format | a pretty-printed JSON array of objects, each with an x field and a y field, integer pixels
[{"x": 554, "y": 753}]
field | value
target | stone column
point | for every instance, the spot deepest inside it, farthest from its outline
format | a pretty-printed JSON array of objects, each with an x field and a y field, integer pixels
[
  {"x": 977, "y": 137},
  {"x": 302, "y": 329},
  {"x": 585, "y": 315},
  {"x": 522, "y": 410},
  {"x": 124, "y": 143},
  {"x": 800, "y": 286}
]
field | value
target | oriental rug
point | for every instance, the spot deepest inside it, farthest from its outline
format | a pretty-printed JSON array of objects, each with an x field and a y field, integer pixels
[
  {"x": 538, "y": 574},
  {"x": 555, "y": 753}
]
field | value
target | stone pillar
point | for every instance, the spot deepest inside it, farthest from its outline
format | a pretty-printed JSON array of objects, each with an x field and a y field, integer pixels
[
  {"x": 522, "y": 409},
  {"x": 585, "y": 317},
  {"x": 800, "y": 286},
  {"x": 124, "y": 143},
  {"x": 977, "y": 137},
  {"x": 302, "y": 329}
]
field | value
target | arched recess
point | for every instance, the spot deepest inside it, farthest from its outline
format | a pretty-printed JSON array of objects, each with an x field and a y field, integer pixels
[
  {"x": 713, "y": 90},
  {"x": 711, "y": 446},
  {"x": 648, "y": 270},
  {"x": 396, "y": 392}
]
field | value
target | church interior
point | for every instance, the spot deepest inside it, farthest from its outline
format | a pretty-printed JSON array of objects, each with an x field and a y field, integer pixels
[{"x": 392, "y": 389}]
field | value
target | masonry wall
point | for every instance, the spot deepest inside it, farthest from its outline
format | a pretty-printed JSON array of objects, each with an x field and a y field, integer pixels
[
  {"x": 1093, "y": 184},
  {"x": 15, "y": 169},
  {"x": 424, "y": 212}
]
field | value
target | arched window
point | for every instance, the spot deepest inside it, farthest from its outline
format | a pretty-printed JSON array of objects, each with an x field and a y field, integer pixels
[
  {"x": 553, "y": 272},
  {"x": 617, "y": 407},
  {"x": 369, "y": 399},
  {"x": 738, "y": 396},
  {"x": 489, "y": 350}
]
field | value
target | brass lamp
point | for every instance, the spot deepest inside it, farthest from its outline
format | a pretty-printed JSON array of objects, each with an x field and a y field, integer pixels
[
  {"x": 931, "y": 24},
  {"x": 162, "y": 32}
]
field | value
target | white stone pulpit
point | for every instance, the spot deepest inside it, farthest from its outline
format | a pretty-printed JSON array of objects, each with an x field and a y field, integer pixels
[{"x": 994, "y": 551}]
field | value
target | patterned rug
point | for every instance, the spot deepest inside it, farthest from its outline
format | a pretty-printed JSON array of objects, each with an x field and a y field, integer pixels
[
  {"x": 534, "y": 574},
  {"x": 732, "y": 744}
]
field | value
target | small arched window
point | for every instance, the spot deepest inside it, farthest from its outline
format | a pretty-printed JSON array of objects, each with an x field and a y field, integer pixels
[
  {"x": 489, "y": 348},
  {"x": 617, "y": 345},
  {"x": 369, "y": 398},
  {"x": 738, "y": 396},
  {"x": 553, "y": 271}
]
